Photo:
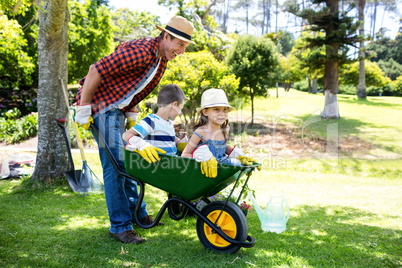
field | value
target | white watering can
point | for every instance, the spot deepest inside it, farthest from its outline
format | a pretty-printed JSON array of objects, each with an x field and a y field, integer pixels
[{"x": 273, "y": 218}]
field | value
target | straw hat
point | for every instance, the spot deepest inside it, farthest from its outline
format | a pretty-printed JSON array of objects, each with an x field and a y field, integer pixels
[
  {"x": 180, "y": 28},
  {"x": 214, "y": 98}
]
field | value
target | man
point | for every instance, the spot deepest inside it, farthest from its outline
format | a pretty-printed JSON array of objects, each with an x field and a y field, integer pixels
[{"x": 109, "y": 93}]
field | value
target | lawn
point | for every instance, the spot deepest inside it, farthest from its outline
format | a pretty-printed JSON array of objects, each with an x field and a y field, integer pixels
[
  {"x": 346, "y": 220},
  {"x": 375, "y": 120},
  {"x": 343, "y": 215}
]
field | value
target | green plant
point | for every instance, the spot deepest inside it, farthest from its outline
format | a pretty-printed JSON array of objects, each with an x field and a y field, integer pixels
[
  {"x": 196, "y": 72},
  {"x": 254, "y": 60},
  {"x": 14, "y": 129},
  {"x": 397, "y": 84},
  {"x": 347, "y": 89},
  {"x": 16, "y": 66},
  {"x": 12, "y": 114},
  {"x": 302, "y": 86},
  {"x": 86, "y": 137}
]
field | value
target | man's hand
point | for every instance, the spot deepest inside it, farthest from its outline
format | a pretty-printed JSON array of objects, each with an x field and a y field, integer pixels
[
  {"x": 146, "y": 150},
  {"x": 209, "y": 165},
  {"x": 132, "y": 118},
  {"x": 244, "y": 160},
  {"x": 83, "y": 116}
]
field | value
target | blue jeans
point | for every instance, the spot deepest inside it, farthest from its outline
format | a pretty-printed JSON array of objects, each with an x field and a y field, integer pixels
[{"x": 121, "y": 193}]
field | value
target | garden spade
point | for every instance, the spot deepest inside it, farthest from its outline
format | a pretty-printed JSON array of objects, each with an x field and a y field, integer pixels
[
  {"x": 86, "y": 180},
  {"x": 72, "y": 175}
]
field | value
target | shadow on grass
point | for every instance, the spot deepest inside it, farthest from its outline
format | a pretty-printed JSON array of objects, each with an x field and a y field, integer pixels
[
  {"x": 344, "y": 125},
  {"x": 371, "y": 102},
  {"x": 331, "y": 236}
]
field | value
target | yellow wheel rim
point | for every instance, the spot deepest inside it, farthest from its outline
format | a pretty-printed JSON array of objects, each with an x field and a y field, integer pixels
[{"x": 227, "y": 225}]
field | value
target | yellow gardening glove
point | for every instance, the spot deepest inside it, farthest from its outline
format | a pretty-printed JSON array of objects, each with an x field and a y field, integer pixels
[
  {"x": 247, "y": 161},
  {"x": 143, "y": 148},
  {"x": 88, "y": 125},
  {"x": 182, "y": 144},
  {"x": 209, "y": 168},
  {"x": 131, "y": 119},
  {"x": 150, "y": 153},
  {"x": 130, "y": 123},
  {"x": 244, "y": 160},
  {"x": 83, "y": 116},
  {"x": 209, "y": 165}
]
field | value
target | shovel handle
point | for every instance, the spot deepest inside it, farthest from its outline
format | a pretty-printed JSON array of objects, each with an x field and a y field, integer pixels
[{"x": 73, "y": 123}]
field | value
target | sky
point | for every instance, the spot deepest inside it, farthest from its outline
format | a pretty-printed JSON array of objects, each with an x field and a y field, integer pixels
[{"x": 165, "y": 15}]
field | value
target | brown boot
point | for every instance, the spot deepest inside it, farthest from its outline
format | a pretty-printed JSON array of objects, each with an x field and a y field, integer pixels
[
  {"x": 148, "y": 220},
  {"x": 128, "y": 237}
]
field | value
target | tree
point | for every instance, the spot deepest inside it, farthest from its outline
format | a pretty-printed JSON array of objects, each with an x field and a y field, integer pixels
[
  {"x": 133, "y": 24},
  {"x": 374, "y": 76},
  {"x": 361, "y": 89},
  {"x": 391, "y": 68},
  {"x": 340, "y": 32},
  {"x": 397, "y": 84},
  {"x": 196, "y": 72},
  {"x": 245, "y": 5},
  {"x": 16, "y": 66},
  {"x": 287, "y": 41},
  {"x": 254, "y": 60},
  {"x": 310, "y": 62},
  {"x": 207, "y": 35},
  {"x": 51, "y": 160},
  {"x": 90, "y": 37},
  {"x": 388, "y": 54},
  {"x": 287, "y": 74}
]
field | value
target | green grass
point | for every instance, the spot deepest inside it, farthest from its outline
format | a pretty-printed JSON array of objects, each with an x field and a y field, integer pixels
[
  {"x": 375, "y": 120},
  {"x": 345, "y": 212},
  {"x": 338, "y": 219}
]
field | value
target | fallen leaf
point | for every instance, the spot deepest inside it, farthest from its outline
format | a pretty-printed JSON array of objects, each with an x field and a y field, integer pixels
[{"x": 122, "y": 251}]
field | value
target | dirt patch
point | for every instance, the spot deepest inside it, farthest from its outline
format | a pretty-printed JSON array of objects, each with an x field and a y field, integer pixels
[
  {"x": 288, "y": 140},
  {"x": 261, "y": 138}
]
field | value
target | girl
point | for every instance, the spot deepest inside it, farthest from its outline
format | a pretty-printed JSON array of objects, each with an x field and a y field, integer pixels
[{"x": 208, "y": 142}]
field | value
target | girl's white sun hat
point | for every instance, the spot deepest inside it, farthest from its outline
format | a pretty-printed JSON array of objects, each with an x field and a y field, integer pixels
[{"x": 214, "y": 98}]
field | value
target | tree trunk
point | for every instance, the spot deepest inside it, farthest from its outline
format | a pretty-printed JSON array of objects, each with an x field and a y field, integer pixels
[
  {"x": 331, "y": 70},
  {"x": 314, "y": 88},
  {"x": 331, "y": 105},
  {"x": 331, "y": 86},
  {"x": 226, "y": 15},
  {"x": 374, "y": 17},
  {"x": 361, "y": 89},
  {"x": 252, "y": 105},
  {"x": 268, "y": 22},
  {"x": 309, "y": 85},
  {"x": 247, "y": 17},
  {"x": 276, "y": 17},
  {"x": 52, "y": 160}
]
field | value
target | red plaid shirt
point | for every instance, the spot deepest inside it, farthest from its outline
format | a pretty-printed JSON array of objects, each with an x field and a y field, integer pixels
[{"x": 123, "y": 72}]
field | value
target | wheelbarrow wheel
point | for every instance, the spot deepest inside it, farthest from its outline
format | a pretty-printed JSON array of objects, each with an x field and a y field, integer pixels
[{"x": 232, "y": 222}]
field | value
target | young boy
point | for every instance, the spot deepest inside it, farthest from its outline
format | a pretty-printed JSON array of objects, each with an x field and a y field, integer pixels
[{"x": 155, "y": 133}]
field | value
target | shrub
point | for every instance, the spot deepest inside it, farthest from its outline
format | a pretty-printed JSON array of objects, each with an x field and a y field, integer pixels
[
  {"x": 347, "y": 89},
  {"x": 13, "y": 129},
  {"x": 387, "y": 90},
  {"x": 302, "y": 86},
  {"x": 397, "y": 84}
]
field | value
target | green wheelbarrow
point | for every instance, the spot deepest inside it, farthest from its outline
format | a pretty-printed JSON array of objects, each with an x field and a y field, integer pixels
[{"x": 221, "y": 225}]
